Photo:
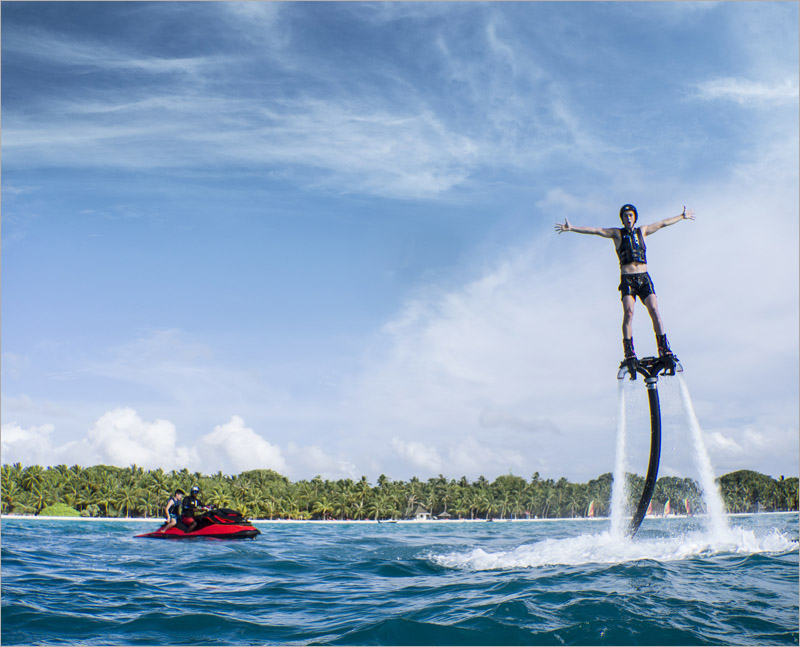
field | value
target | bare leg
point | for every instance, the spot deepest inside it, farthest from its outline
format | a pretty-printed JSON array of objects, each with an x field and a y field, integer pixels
[
  {"x": 652, "y": 307},
  {"x": 170, "y": 524},
  {"x": 627, "y": 316}
]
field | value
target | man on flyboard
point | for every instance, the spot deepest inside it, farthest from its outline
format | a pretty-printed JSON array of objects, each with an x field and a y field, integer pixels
[{"x": 635, "y": 281}]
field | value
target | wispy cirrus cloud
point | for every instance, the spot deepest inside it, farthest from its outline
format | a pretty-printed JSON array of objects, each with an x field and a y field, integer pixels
[
  {"x": 749, "y": 92},
  {"x": 340, "y": 144},
  {"x": 77, "y": 54},
  {"x": 379, "y": 130}
]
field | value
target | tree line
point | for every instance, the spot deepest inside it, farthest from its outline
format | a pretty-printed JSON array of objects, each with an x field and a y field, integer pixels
[{"x": 109, "y": 491}]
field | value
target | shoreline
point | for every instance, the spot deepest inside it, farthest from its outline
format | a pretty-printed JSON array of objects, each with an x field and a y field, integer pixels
[{"x": 368, "y": 521}]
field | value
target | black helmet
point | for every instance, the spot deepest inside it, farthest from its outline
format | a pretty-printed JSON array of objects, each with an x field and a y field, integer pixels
[
  {"x": 195, "y": 489},
  {"x": 629, "y": 207}
]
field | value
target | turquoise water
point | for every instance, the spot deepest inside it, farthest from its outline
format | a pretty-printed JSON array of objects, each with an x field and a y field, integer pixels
[{"x": 538, "y": 583}]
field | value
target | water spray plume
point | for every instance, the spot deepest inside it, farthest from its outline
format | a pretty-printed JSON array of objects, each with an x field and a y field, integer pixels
[
  {"x": 618, "y": 486},
  {"x": 711, "y": 495}
]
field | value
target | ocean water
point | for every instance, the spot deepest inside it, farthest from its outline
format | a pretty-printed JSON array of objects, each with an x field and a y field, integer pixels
[{"x": 521, "y": 583}]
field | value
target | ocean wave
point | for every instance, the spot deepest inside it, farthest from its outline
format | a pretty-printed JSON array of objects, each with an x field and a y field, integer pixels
[{"x": 549, "y": 583}]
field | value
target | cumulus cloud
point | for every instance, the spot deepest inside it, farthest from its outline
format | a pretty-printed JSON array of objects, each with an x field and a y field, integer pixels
[
  {"x": 239, "y": 448},
  {"x": 27, "y": 446},
  {"x": 523, "y": 347},
  {"x": 466, "y": 374},
  {"x": 121, "y": 437},
  {"x": 481, "y": 368}
]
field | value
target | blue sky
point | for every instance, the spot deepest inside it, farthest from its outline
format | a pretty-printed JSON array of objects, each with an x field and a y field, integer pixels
[{"x": 318, "y": 237}]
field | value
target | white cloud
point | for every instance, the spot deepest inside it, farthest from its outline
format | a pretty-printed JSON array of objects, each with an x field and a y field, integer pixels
[
  {"x": 239, "y": 448},
  {"x": 462, "y": 456},
  {"x": 527, "y": 342},
  {"x": 348, "y": 145},
  {"x": 121, "y": 437},
  {"x": 532, "y": 341},
  {"x": 472, "y": 457},
  {"x": 747, "y": 92},
  {"x": 496, "y": 418},
  {"x": 61, "y": 50},
  {"x": 344, "y": 134},
  {"x": 313, "y": 459},
  {"x": 717, "y": 441},
  {"x": 420, "y": 456},
  {"x": 452, "y": 354},
  {"x": 28, "y": 446},
  {"x": 765, "y": 447}
]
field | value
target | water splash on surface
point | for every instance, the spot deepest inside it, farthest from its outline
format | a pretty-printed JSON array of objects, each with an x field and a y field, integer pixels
[{"x": 605, "y": 548}]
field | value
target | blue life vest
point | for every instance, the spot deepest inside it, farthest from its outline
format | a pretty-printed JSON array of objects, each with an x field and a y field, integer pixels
[{"x": 631, "y": 248}]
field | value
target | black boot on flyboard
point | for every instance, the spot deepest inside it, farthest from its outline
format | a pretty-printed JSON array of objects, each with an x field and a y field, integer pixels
[{"x": 628, "y": 365}]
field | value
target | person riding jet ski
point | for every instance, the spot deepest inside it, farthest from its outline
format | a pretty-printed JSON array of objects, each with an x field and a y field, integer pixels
[{"x": 191, "y": 506}]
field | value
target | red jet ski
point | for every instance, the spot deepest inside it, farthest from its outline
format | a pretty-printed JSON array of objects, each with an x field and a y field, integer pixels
[{"x": 220, "y": 523}]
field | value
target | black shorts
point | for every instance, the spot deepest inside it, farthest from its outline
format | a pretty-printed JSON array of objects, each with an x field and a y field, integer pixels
[{"x": 634, "y": 285}]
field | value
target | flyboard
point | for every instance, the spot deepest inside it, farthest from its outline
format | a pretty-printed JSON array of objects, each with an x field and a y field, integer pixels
[{"x": 650, "y": 368}]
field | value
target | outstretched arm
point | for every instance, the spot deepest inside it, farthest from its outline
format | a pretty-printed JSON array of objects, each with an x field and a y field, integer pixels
[
  {"x": 596, "y": 231},
  {"x": 651, "y": 229}
]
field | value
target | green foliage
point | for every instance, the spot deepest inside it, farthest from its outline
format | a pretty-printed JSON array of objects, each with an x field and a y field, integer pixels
[
  {"x": 109, "y": 491},
  {"x": 748, "y": 491},
  {"x": 59, "y": 510}
]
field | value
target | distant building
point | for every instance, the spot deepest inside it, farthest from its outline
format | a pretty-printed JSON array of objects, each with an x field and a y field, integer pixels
[{"x": 421, "y": 514}]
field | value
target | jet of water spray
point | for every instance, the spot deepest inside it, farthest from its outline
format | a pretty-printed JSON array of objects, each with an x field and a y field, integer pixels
[
  {"x": 711, "y": 495},
  {"x": 618, "y": 487}
]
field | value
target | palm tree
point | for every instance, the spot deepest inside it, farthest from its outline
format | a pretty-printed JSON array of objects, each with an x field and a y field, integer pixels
[
  {"x": 127, "y": 499},
  {"x": 323, "y": 506},
  {"x": 574, "y": 500},
  {"x": 383, "y": 506},
  {"x": 360, "y": 509},
  {"x": 32, "y": 476},
  {"x": 482, "y": 500},
  {"x": 12, "y": 496},
  {"x": 549, "y": 495},
  {"x": 291, "y": 508},
  {"x": 109, "y": 490}
]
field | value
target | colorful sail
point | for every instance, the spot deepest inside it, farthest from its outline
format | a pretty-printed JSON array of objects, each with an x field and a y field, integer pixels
[
  {"x": 666, "y": 508},
  {"x": 590, "y": 513}
]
